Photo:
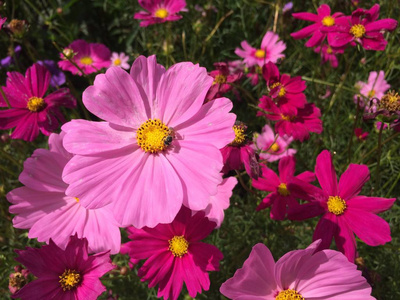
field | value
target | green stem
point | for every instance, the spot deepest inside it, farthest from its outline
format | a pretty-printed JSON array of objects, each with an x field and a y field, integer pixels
[
  {"x": 239, "y": 176},
  {"x": 4, "y": 97},
  {"x": 377, "y": 175},
  {"x": 9, "y": 157},
  {"x": 352, "y": 133},
  {"x": 327, "y": 83},
  {"x": 383, "y": 143}
]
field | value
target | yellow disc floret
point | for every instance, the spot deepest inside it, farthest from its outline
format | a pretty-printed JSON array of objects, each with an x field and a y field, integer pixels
[
  {"x": 178, "y": 245},
  {"x": 69, "y": 279},
  {"x": 117, "y": 62},
  {"x": 283, "y": 190},
  {"x": 151, "y": 136},
  {"x": 86, "y": 60},
  {"x": 36, "y": 104},
  {"x": 358, "y": 30},
  {"x": 287, "y": 118},
  {"x": 336, "y": 205},
  {"x": 260, "y": 53},
  {"x": 161, "y": 13},
  {"x": 328, "y": 21},
  {"x": 220, "y": 79},
  {"x": 240, "y": 136},
  {"x": 329, "y": 50},
  {"x": 289, "y": 295},
  {"x": 274, "y": 147},
  {"x": 371, "y": 93},
  {"x": 390, "y": 102}
]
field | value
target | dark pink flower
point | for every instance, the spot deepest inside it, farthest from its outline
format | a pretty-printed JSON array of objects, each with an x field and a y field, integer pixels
[
  {"x": 17, "y": 279},
  {"x": 175, "y": 254},
  {"x": 362, "y": 136},
  {"x": 362, "y": 27},
  {"x": 329, "y": 54},
  {"x": 159, "y": 11},
  {"x": 292, "y": 122},
  {"x": 31, "y": 110},
  {"x": 2, "y": 21},
  {"x": 280, "y": 196},
  {"x": 89, "y": 57},
  {"x": 63, "y": 274},
  {"x": 344, "y": 213},
  {"x": 323, "y": 19},
  {"x": 222, "y": 80}
]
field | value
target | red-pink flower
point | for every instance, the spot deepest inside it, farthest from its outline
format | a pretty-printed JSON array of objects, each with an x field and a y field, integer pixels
[
  {"x": 280, "y": 196},
  {"x": 175, "y": 254},
  {"x": 222, "y": 80},
  {"x": 344, "y": 213},
  {"x": 329, "y": 54},
  {"x": 323, "y": 19},
  {"x": 159, "y": 11},
  {"x": 362, "y": 136},
  {"x": 361, "y": 27},
  {"x": 2, "y": 21},
  {"x": 89, "y": 57},
  {"x": 299, "y": 274},
  {"x": 63, "y": 274},
  {"x": 31, "y": 110},
  {"x": 286, "y": 90},
  {"x": 296, "y": 123}
]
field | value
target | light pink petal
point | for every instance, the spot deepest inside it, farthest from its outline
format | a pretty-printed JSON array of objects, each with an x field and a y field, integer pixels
[
  {"x": 326, "y": 174},
  {"x": 352, "y": 181},
  {"x": 370, "y": 204}
]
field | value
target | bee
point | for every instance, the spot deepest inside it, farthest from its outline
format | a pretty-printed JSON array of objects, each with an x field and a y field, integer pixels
[{"x": 170, "y": 137}]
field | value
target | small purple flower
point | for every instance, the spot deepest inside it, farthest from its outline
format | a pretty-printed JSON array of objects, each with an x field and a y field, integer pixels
[
  {"x": 9, "y": 60},
  {"x": 57, "y": 76}
]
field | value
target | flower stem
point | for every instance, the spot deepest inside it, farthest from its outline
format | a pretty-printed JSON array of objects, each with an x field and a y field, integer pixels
[
  {"x": 4, "y": 97},
  {"x": 377, "y": 175},
  {"x": 352, "y": 133}
]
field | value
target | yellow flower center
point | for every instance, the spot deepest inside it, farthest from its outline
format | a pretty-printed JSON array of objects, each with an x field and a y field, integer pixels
[
  {"x": 86, "y": 60},
  {"x": 282, "y": 190},
  {"x": 151, "y": 136},
  {"x": 220, "y": 79},
  {"x": 36, "y": 104},
  {"x": 259, "y": 53},
  {"x": 287, "y": 118},
  {"x": 117, "y": 62},
  {"x": 69, "y": 279},
  {"x": 358, "y": 30},
  {"x": 282, "y": 91},
  {"x": 178, "y": 245},
  {"x": 336, "y": 205},
  {"x": 161, "y": 13},
  {"x": 390, "y": 101},
  {"x": 240, "y": 136},
  {"x": 371, "y": 94},
  {"x": 76, "y": 199},
  {"x": 289, "y": 295},
  {"x": 329, "y": 50},
  {"x": 274, "y": 147},
  {"x": 328, "y": 21}
]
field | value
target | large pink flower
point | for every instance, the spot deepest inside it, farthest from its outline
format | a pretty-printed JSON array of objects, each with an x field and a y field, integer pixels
[
  {"x": 159, "y": 147},
  {"x": 89, "y": 57},
  {"x": 299, "y": 274},
  {"x": 271, "y": 50},
  {"x": 31, "y": 110},
  {"x": 175, "y": 254},
  {"x": 344, "y": 213},
  {"x": 280, "y": 196},
  {"x": 160, "y": 11},
  {"x": 42, "y": 206},
  {"x": 63, "y": 274}
]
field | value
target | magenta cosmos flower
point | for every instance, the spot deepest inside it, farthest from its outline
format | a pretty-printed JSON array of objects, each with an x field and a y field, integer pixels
[
  {"x": 343, "y": 211},
  {"x": 223, "y": 79},
  {"x": 43, "y": 207},
  {"x": 30, "y": 110},
  {"x": 63, "y": 274},
  {"x": 329, "y": 54},
  {"x": 159, "y": 11},
  {"x": 361, "y": 27},
  {"x": 322, "y": 20},
  {"x": 89, "y": 57},
  {"x": 281, "y": 196},
  {"x": 299, "y": 274},
  {"x": 270, "y": 50},
  {"x": 159, "y": 147},
  {"x": 175, "y": 254},
  {"x": 273, "y": 148}
]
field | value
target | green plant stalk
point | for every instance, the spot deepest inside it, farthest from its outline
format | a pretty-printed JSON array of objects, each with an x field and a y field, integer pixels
[
  {"x": 377, "y": 175},
  {"x": 4, "y": 97},
  {"x": 349, "y": 152}
]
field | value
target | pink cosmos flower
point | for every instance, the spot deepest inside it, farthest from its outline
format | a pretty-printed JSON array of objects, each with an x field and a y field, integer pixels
[
  {"x": 296, "y": 123},
  {"x": 362, "y": 27},
  {"x": 299, "y": 274},
  {"x": 362, "y": 136},
  {"x": 254, "y": 74},
  {"x": 376, "y": 87},
  {"x": 17, "y": 279},
  {"x": 222, "y": 80},
  {"x": 89, "y": 57},
  {"x": 175, "y": 254},
  {"x": 43, "y": 207},
  {"x": 119, "y": 60},
  {"x": 270, "y": 50},
  {"x": 343, "y": 211},
  {"x": 272, "y": 148},
  {"x": 329, "y": 54},
  {"x": 280, "y": 196},
  {"x": 159, "y": 147},
  {"x": 31, "y": 110},
  {"x": 322, "y": 20},
  {"x": 63, "y": 274},
  {"x": 160, "y": 11},
  {"x": 286, "y": 90},
  {"x": 2, "y": 21}
]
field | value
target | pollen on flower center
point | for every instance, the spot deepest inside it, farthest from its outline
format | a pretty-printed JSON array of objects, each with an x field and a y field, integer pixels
[
  {"x": 282, "y": 189},
  {"x": 274, "y": 147},
  {"x": 358, "y": 30},
  {"x": 151, "y": 136},
  {"x": 282, "y": 91},
  {"x": 328, "y": 21},
  {"x": 178, "y": 245},
  {"x": 117, "y": 62},
  {"x": 287, "y": 118},
  {"x": 69, "y": 279},
  {"x": 161, "y": 13},
  {"x": 336, "y": 205},
  {"x": 86, "y": 60},
  {"x": 259, "y": 53},
  {"x": 371, "y": 93},
  {"x": 390, "y": 101},
  {"x": 220, "y": 79},
  {"x": 240, "y": 136},
  {"x": 329, "y": 50},
  {"x": 36, "y": 104},
  {"x": 289, "y": 295},
  {"x": 76, "y": 199}
]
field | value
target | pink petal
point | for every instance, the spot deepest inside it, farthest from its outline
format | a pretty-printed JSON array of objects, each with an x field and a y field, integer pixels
[
  {"x": 38, "y": 80},
  {"x": 306, "y": 16},
  {"x": 326, "y": 174},
  {"x": 305, "y": 211},
  {"x": 370, "y": 204},
  {"x": 352, "y": 181},
  {"x": 269, "y": 181},
  {"x": 383, "y": 24},
  {"x": 344, "y": 238},
  {"x": 325, "y": 230},
  {"x": 287, "y": 167},
  {"x": 305, "y": 32}
]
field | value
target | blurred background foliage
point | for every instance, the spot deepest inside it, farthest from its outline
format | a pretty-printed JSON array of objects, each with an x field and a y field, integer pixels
[{"x": 209, "y": 32}]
